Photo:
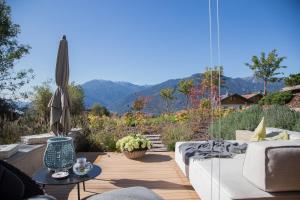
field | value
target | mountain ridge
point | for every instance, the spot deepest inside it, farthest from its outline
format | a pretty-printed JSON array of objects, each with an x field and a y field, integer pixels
[{"x": 118, "y": 96}]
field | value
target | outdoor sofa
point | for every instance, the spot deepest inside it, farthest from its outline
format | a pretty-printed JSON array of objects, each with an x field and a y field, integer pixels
[{"x": 254, "y": 175}]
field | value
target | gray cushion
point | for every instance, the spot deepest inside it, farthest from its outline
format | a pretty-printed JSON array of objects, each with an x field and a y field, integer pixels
[
  {"x": 273, "y": 166},
  {"x": 131, "y": 193},
  {"x": 42, "y": 197}
]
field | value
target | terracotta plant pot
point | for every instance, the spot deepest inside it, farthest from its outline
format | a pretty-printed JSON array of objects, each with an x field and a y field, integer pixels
[{"x": 134, "y": 154}]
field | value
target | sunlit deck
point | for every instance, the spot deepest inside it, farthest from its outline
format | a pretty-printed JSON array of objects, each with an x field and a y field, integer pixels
[{"x": 156, "y": 171}]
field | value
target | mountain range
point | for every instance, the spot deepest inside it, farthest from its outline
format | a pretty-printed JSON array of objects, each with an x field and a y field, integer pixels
[{"x": 119, "y": 96}]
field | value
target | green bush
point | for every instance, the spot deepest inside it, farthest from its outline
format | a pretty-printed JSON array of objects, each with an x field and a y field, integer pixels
[
  {"x": 247, "y": 119},
  {"x": 9, "y": 131},
  {"x": 297, "y": 123},
  {"x": 279, "y": 98},
  {"x": 101, "y": 141},
  {"x": 28, "y": 124},
  {"x": 173, "y": 133},
  {"x": 133, "y": 142},
  {"x": 280, "y": 117},
  {"x": 276, "y": 116}
]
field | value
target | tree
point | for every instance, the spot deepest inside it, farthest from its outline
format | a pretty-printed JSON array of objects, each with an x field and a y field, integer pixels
[
  {"x": 266, "y": 68},
  {"x": 208, "y": 88},
  {"x": 42, "y": 96},
  {"x": 99, "y": 110},
  {"x": 76, "y": 95},
  {"x": 292, "y": 80},
  {"x": 167, "y": 95},
  {"x": 10, "y": 52},
  {"x": 7, "y": 109},
  {"x": 185, "y": 87},
  {"x": 140, "y": 103}
]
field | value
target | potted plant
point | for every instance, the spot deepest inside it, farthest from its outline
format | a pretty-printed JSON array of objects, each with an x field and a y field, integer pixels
[{"x": 134, "y": 146}]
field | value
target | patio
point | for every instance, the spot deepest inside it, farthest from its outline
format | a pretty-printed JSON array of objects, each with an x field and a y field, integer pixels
[{"x": 156, "y": 171}]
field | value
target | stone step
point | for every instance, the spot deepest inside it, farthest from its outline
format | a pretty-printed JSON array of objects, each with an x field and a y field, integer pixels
[
  {"x": 152, "y": 135},
  {"x": 158, "y": 149},
  {"x": 157, "y": 145},
  {"x": 157, "y": 142}
]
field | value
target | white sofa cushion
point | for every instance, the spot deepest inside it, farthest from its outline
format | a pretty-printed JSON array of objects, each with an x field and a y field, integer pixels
[
  {"x": 37, "y": 139},
  {"x": 8, "y": 150},
  {"x": 214, "y": 178},
  {"x": 273, "y": 166}
]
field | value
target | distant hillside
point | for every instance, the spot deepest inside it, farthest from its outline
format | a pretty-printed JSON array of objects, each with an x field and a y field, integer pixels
[
  {"x": 118, "y": 96},
  {"x": 108, "y": 93}
]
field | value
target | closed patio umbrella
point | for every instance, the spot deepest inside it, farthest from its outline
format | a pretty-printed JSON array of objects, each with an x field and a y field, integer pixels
[{"x": 60, "y": 103}]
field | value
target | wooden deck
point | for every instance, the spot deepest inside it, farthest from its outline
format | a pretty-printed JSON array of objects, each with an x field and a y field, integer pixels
[{"x": 156, "y": 171}]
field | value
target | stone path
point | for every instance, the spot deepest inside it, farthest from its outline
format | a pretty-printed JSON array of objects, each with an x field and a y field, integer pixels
[{"x": 157, "y": 145}]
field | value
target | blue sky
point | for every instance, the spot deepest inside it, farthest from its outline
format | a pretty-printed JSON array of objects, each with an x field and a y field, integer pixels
[{"x": 150, "y": 41}]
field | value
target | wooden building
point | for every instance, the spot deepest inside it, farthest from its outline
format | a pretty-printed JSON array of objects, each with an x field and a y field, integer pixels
[
  {"x": 234, "y": 101},
  {"x": 253, "y": 97}
]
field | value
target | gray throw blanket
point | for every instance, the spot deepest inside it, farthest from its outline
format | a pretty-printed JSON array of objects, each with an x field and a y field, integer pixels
[{"x": 210, "y": 149}]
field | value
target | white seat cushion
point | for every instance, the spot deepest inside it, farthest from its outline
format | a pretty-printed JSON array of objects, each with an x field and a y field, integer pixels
[
  {"x": 273, "y": 166},
  {"x": 230, "y": 185}
]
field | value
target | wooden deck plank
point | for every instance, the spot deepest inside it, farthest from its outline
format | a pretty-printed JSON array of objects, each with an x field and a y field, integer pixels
[{"x": 156, "y": 171}]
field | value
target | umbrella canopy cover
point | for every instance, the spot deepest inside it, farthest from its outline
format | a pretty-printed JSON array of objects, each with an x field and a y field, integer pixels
[{"x": 60, "y": 103}]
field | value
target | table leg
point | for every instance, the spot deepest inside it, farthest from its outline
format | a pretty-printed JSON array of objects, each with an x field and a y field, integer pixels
[
  {"x": 78, "y": 191},
  {"x": 83, "y": 185}
]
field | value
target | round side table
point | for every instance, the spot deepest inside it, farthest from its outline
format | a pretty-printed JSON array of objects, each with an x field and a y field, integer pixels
[{"x": 44, "y": 177}]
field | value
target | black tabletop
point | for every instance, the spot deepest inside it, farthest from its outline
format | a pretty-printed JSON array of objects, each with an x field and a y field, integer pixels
[{"x": 43, "y": 176}]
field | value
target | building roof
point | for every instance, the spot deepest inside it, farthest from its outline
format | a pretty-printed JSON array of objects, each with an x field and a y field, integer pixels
[
  {"x": 234, "y": 99},
  {"x": 248, "y": 96}
]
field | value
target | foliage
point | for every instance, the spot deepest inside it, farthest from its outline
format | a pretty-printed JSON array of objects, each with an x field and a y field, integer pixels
[
  {"x": 266, "y": 68},
  {"x": 99, "y": 110},
  {"x": 42, "y": 96},
  {"x": 102, "y": 134},
  {"x": 225, "y": 127},
  {"x": 11, "y": 51},
  {"x": 133, "y": 142},
  {"x": 279, "y": 98},
  {"x": 181, "y": 116},
  {"x": 276, "y": 116},
  {"x": 140, "y": 103},
  {"x": 212, "y": 78},
  {"x": 7, "y": 108},
  {"x": 9, "y": 131},
  {"x": 167, "y": 94},
  {"x": 28, "y": 124},
  {"x": 292, "y": 80},
  {"x": 185, "y": 87},
  {"x": 76, "y": 95},
  {"x": 280, "y": 117},
  {"x": 297, "y": 122},
  {"x": 173, "y": 133}
]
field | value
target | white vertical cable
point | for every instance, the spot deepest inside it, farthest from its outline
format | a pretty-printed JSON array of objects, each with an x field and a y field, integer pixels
[
  {"x": 219, "y": 103},
  {"x": 211, "y": 63}
]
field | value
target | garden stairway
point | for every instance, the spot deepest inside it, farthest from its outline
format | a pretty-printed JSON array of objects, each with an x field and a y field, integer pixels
[{"x": 157, "y": 145}]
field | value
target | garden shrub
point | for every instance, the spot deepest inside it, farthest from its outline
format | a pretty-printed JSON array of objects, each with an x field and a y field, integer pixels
[
  {"x": 101, "y": 141},
  {"x": 173, "y": 133},
  {"x": 9, "y": 131},
  {"x": 133, "y": 142},
  {"x": 279, "y": 98},
  {"x": 226, "y": 126},
  {"x": 297, "y": 123},
  {"x": 280, "y": 117},
  {"x": 276, "y": 116}
]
